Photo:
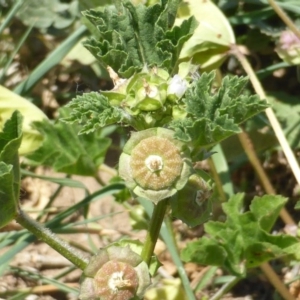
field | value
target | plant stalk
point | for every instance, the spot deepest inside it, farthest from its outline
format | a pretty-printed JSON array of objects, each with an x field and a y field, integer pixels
[
  {"x": 254, "y": 160},
  {"x": 284, "y": 17},
  {"x": 225, "y": 288},
  {"x": 276, "y": 282},
  {"x": 51, "y": 239},
  {"x": 156, "y": 221},
  {"x": 269, "y": 112},
  {"x": 265, "y": 267}
]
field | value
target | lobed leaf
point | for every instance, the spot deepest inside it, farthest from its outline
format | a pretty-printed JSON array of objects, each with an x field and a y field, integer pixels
[
  {"x": 94, "y": 111},
  {"x": 67, "y": 152},
  {"x": 243, "y": 241},
  {"x": 215, "y": 115},
  {"x": 130, "y": 37}
]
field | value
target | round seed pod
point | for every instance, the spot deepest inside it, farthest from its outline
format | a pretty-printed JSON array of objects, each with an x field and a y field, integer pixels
[
  {"x": 154, "y": 164},
  {"x": 115, "y": 273}
]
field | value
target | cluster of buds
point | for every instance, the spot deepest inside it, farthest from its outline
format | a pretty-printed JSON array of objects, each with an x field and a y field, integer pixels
[
  {"x": 115, "y": 273},
  {"x": 149, "y": 98}
]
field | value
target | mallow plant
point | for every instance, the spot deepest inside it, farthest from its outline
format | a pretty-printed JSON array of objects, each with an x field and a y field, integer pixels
[{"x": 175, "y": 115}]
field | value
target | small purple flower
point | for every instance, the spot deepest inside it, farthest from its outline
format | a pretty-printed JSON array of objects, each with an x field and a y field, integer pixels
[
  {"x": 288, "y": 47},
  {"x": 288, "y": 40}
]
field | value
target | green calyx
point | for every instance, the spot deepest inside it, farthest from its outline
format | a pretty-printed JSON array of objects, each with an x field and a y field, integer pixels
[
  {"x": 145, "y": 91},
  {"x": 148, "y": 98},
  {"x": 192, "y": 204},
  {"x": 154, "y": 165}
]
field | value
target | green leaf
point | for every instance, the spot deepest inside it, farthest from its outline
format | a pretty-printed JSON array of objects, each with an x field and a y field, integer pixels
[
  {"x": 244, "y": 237},
  {"x": 93, "y": 110},
  {"x": 9, "y": 102},
  {"x": 204, "y": 132},
  {"x": 10, "y": 141},
  {"x": 233, "y": 208},
  {"x": 268, "y": 211},
  {"x": 72, "y": 154},
  {"x": 211, "y": 40},
  {"x": 8, "y": 200},
  {"x": 44, "y": 13},
  {"x": 130, "y": 37},
  {"x": 214, "y": 116},
  {"x": 206, "y": 252}
]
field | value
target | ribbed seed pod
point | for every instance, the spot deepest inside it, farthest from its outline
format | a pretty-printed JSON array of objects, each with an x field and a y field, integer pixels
[
  {"x": 114, "y": 273},
  {"x": 154, "y": 165}
]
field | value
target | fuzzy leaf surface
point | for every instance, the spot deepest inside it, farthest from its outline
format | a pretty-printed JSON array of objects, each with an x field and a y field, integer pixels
[
  {"x": 127, "y": 37},
  {"x": 67, "y": 152},
  {"x": 215, "y": 115},
  {"x": 10, "y": 141},
  {"x": 93, "y": 111},
  {"x": 244, "y": 238}
]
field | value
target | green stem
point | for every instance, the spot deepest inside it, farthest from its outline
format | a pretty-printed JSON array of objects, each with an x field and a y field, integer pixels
[
  {"x": 154, "y": 229},
  {"x": 51, "y": 239},
  {"x": 99, "y": 180},
  {"x": 225, "y": 288}
]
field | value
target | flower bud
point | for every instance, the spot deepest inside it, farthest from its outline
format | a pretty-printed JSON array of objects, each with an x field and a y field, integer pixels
[{"x": 176, "y": 88}]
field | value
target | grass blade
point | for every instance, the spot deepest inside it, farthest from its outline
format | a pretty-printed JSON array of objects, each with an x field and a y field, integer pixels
[
  {"x": 17, "y": 48},
  {"x": 52, "y": 60},
  {"x": 11, "y": 14}
]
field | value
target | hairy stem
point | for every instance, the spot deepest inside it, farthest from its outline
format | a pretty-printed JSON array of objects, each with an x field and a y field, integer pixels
[
  {"x": 51, "y": 239},
  {"x": 154, "y": 229}
]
